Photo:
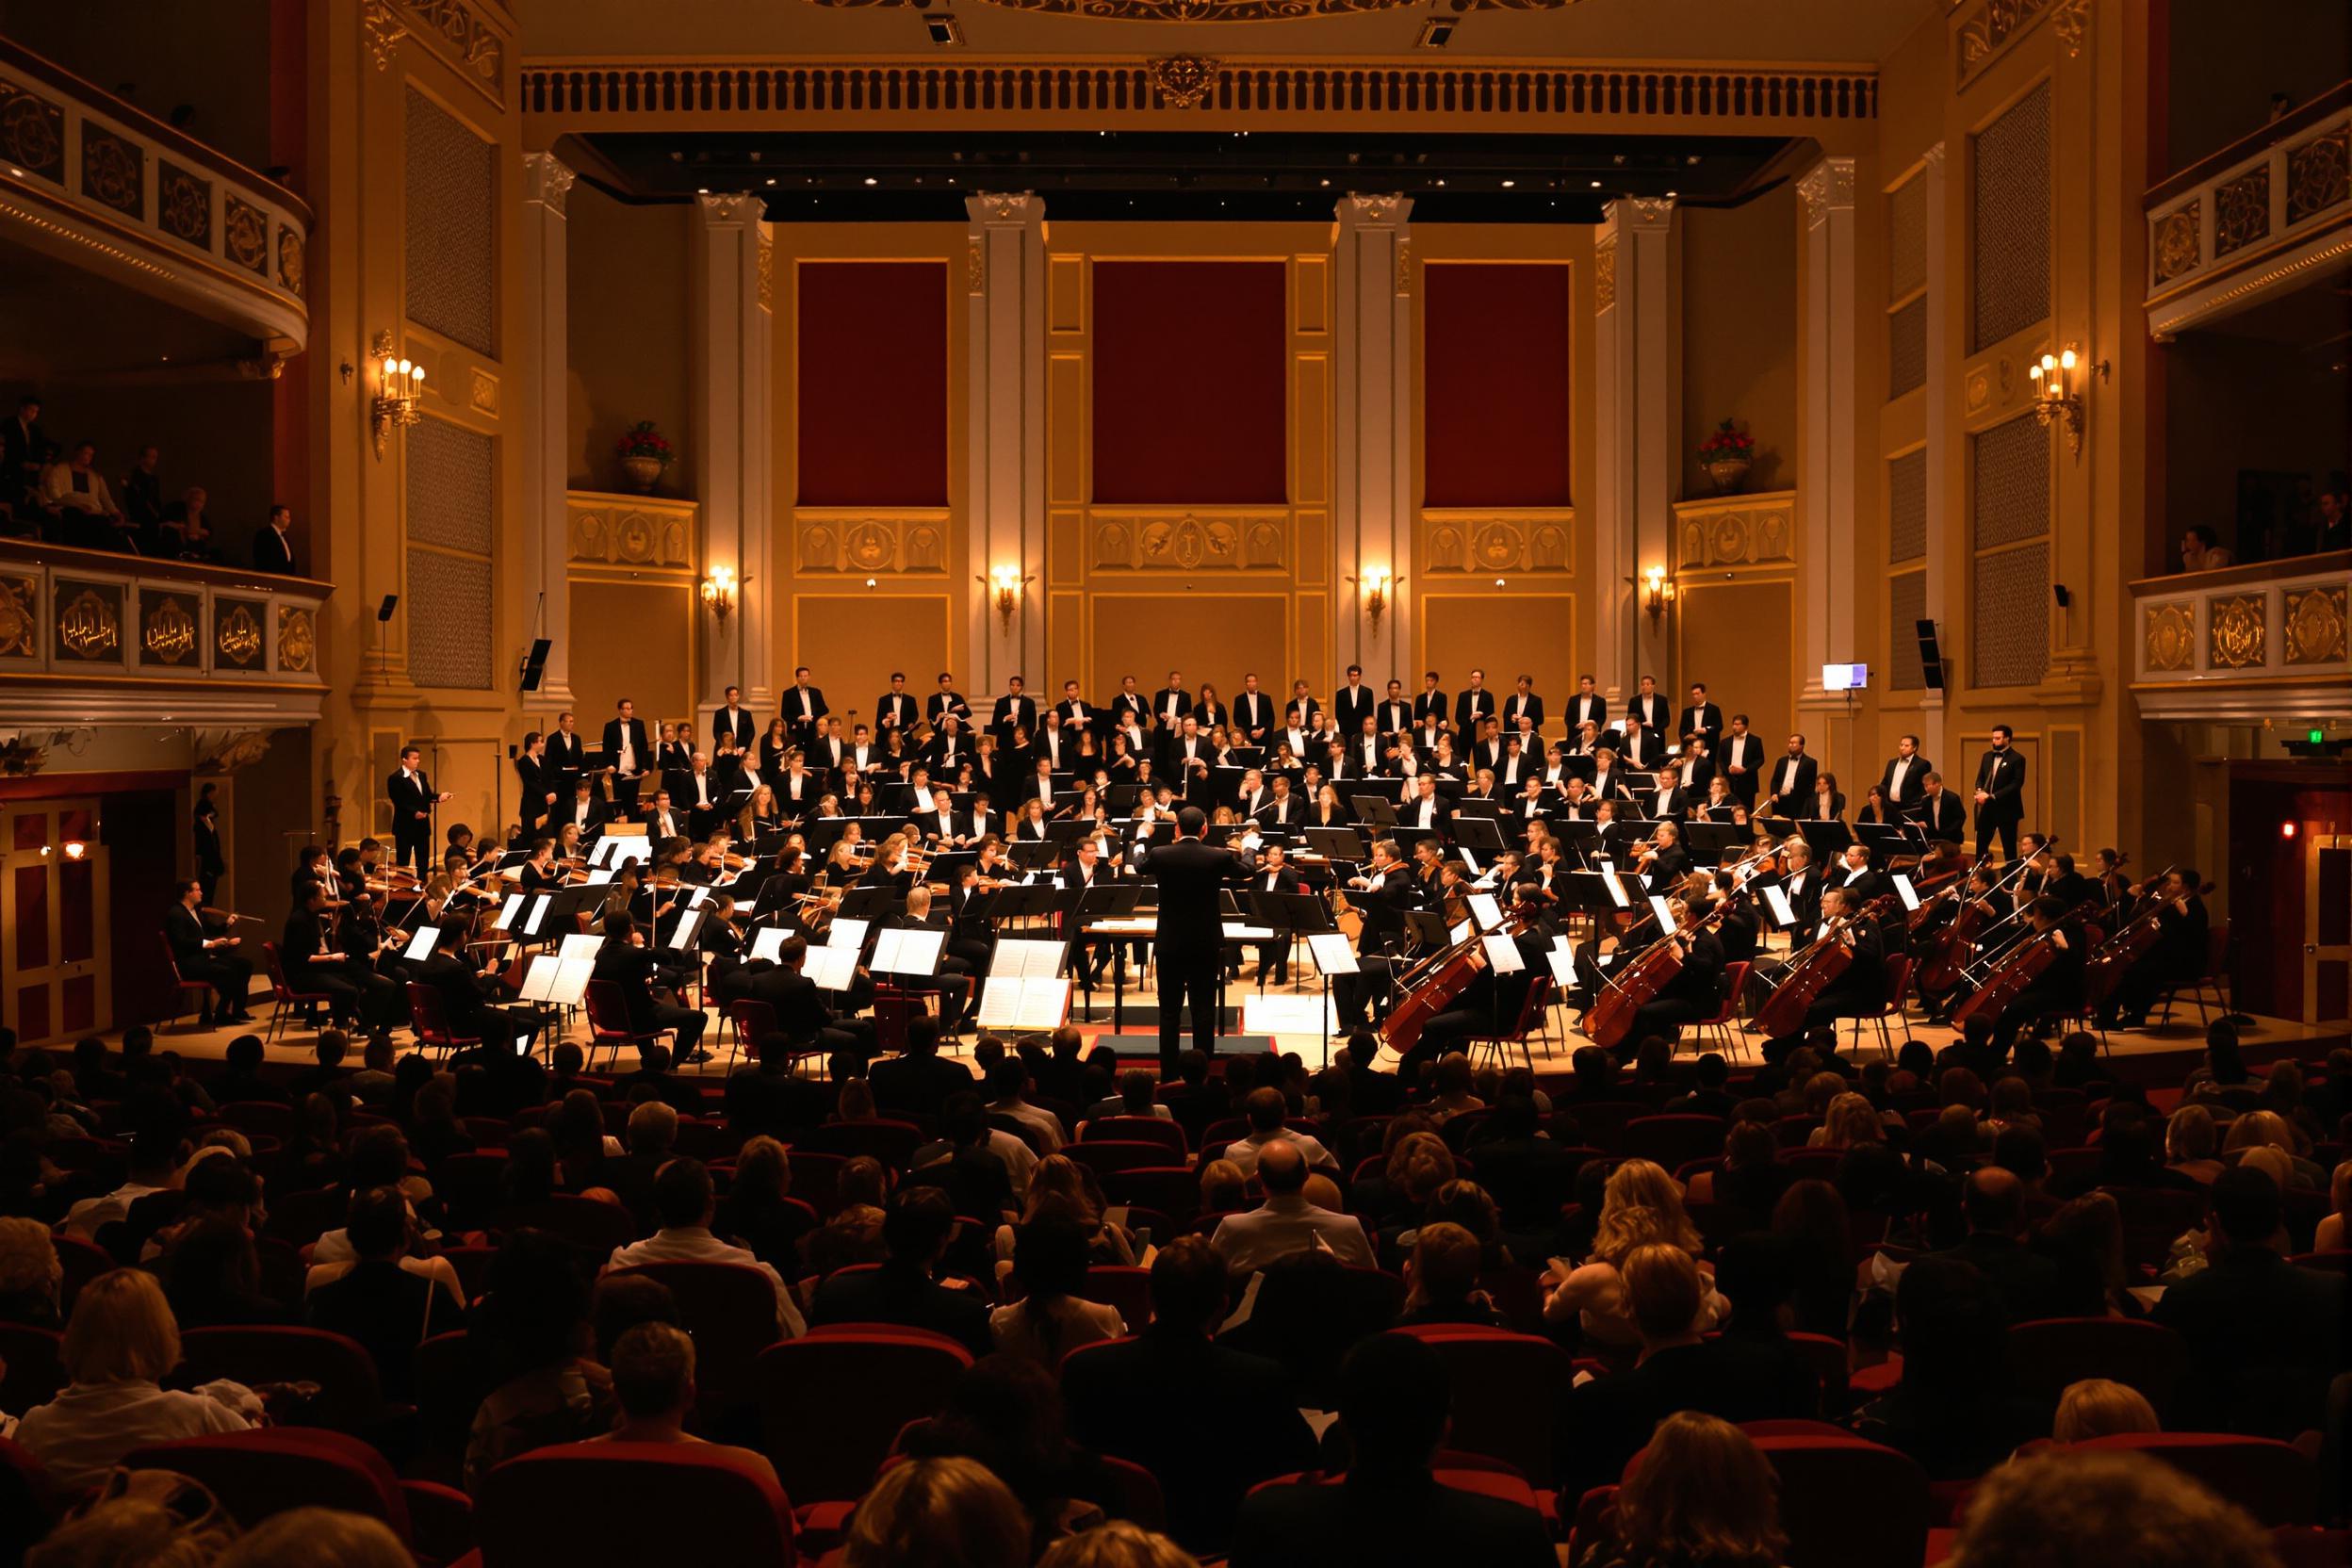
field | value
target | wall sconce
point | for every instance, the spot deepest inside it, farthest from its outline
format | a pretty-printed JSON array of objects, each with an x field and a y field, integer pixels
[
  {"x": 718, "y": 592},
  {"x": 399, "y": 384},
  {"x": 1658, "y": 592},
  {"x": 1373, "y": 588},
  {"x": 2058, "y": 398},
  {"x": 1008, "y": 582}
]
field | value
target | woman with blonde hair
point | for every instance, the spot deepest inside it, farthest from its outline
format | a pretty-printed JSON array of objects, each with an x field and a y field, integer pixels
[
  {"x": 1116, "y": 1543},
  {"x": 1442, "y": 1278},
  {"x": 30, "y": 1274},
  {"x": 1060, "y": 1186},
  {"x": 758, "y": 812},
  {"x": 2097, "y": 1408},
  {"x": 120, "y": 1345},
  {"x": 1641, "y": 1206},
  {"x": 1849, "y": 1119},
  {"x": 1223, "y": 1187},
  {"x": 2190, "y": 1139},
  {"x": 2331, "y": 1236},
  {"x": 1702, "y": 1497},
  {"x": 937, "y": 1513}
]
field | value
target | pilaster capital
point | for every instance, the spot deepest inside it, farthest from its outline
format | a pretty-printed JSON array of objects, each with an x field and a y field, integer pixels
[
  {"x": 730, "y": 209},
  {"x": 1933, "y": 157},
  {"x": 1827, "y": 188},
  {"x": 547, "y": 181},
  {"x": 1005, "y": 209},
  {"x": 1637, "y": 214},
  {"x": 1361, "y": 209}
]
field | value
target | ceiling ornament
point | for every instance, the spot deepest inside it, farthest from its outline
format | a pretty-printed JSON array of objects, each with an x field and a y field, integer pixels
[
  {"x": 1183, "y": 80},
  {"x": 1223, "y": 10}
]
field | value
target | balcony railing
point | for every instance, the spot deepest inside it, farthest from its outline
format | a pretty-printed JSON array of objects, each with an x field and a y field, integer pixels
[
  {"x": 2270, "y": 211},
  {"x": 89, "y": 635},
  {"x": 87, "y": 177},
  {"x": 2265, "y": 640}
]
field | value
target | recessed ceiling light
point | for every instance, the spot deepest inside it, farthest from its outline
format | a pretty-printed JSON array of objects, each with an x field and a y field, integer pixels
[
  {"x": 1670, "y": 195},
  {"x": 702, "y": 190},
  {"x": 1508, "y": 184},
  {"x": 771, "y": 179},
  {"x": 1327, "y": 182},
  {"x": 871, "y": 180},
  {"x": 1596, "y": 185}
]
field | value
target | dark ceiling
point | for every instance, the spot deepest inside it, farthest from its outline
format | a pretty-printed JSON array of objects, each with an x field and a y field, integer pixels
[{"x": 1098, "y": 175}]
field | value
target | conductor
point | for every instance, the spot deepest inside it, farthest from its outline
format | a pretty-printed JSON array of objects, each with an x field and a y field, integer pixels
[{"x": 1191, "y": 935}]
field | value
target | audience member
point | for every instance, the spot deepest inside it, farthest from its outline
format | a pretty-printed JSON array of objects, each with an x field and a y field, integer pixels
[
  {"x": 684, "y": 1201},
  {"x": 904, "y": 1288},
  {"x": 1702, "y": 1497},
  {"x": 2057, "y": 1510},
  {"x": 2096, "y": 1407},
  {"x": 1287, "y": 1221},
  {"x": 1050, "y": 1260},
  {"x": 937, "y": 1513}
]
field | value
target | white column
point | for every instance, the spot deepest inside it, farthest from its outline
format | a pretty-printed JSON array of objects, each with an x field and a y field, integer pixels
[
  {"x": 546, "y": 350},
  {"x": 1004, "y": 426},
  {"x": 1943, "y": 333},
  {"x": 1638, "y": 321},
  {"x": 1372, "y": 426},
  {"x": 733, "y": 335},
  {"x": 1826, "y": 477}
]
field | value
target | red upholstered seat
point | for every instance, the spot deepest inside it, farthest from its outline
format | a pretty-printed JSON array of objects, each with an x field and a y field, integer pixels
[
  {"x": 832, "y": 1404},
  {"x": 1507, "y": 1387},
  {"x": 36, "y": 1366},
  {"x": 1128, "y": 1289},
  {"x": 1848, "y": 1503},
  {"x": 2275, "y": 1482},
  {"x": 634, "y": 1502},
  {"x": 268, "y": 1470},
  {"x": 1673, "y": 1141},
  {"x": 2049, "y": 1353},
  {"x": 730, "y": 1310},
  {"x": 1174, "y": 1190},
  {"x": 28, "y": 1502},
  {"x": 1105, "y": 1155},
  {"x": 1137, "y": 1129},
  {"x": 891, "y": 1142},
  {"x": 350, "y": 1397}
]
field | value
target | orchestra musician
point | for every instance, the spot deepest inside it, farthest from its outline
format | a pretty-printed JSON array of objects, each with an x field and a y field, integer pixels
[
  {"x": 1588, "y": 707},
  {"x": 1352, "y": 704},
  {"x": 198, "y": 953},
  {"x": 1858, "y": 991},
  {"x": 1939, "y": 810},
  {"x": 412, "y": 798},
  {"x": 1695, "y": 992},
  {"x": 733, "y": 719},
  {"x": 536, "y": 802},
  {"x": 895, "y": 709},
  {"x": 628, "y": 753},
  {"x": 2178, "y": 954},
  {"x": 944, "y": 701},
  {"x": 1702, "y": 717},
  {"x": 1904, "y": 782},
  {"x": 568, "y": 755},
  {"x": 1273, "y": 874},
  {"x": 1793, "y": 778},
  {"x": 802, "y": 706},
  {"x": 1742, "y": 760},
  {"x": 1396, "y": 713},
  {"x": 1646, "y": 709}
]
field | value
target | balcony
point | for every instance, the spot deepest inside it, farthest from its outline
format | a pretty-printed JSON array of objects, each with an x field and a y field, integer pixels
[
  {"x": 87, "y": 178},
  {"x": 2268, "y": 213},
  {"x": 88, "y": 636},
  {"x": 2265, "y": 641}
]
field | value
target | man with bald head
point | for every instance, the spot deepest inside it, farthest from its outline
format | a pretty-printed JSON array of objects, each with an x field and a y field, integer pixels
[
  {"x": 1287, "y": 1222},
  {"x": 2028, "y": 1285}
]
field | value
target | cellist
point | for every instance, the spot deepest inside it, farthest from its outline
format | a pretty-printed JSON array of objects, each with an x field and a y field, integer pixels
[
  {"x": 1859, "y": 991},
  {"x": 1697, "y": 991},
  {"x": 2178, "y": 954},
  {"x": 2057, "y": 992}
]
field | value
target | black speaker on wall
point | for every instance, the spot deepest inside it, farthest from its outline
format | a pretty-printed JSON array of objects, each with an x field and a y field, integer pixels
[
  {"x": 535, "y": 663},
  {"x": 1931, "y": 655}
]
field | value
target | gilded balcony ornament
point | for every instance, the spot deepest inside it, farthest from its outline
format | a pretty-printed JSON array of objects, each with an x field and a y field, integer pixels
[
  {"x": 185, "y": 205},
  {"x": 2315, "y": 626},
  {"x": 290, "y": 260},
  {"x": 385, "y": 32},
  {"x": 2175, "y": 242},
  {"x": 247, "y": 230},
  {"x": 237, "y": 638},
  {"x": 2170, "y": 636},
  {"x": 2316, "y": 174},
  {"x": 89, "y": 627},
  {"x": 975, "y": 268},
  {"x": 2235, "y": 640},
  {"x": 2071, "y": 21},
  {"x": 18, "y": 597},
  {"x": 1605, "y": 277},
  {"x": 113, "y": 171},
  {"x": 2242, "y": 210},
  {"x": 169, "y": 636},
  {"x": 297, "y": 641},
  {"x": 32, "y": 132},
  {"x": 1183, "y": 80}
]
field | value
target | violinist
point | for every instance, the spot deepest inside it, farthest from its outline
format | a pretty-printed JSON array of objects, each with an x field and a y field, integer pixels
[
  {"x": 540, "y": 872},
  {"x": 1695, "y": 992},
  {"x": 1665, "y": 862},
  {"x": 1394, "y": 891},
  {"x": 1739, "y": 933},
  {"x": 759, "y": 815},
  {"x": 2178, "y": 953},
  {"x": 892, "y": 866},
  {"x": 1084, "y": 872},
  {"x": 1858, "y": 991},
  {"x": 939, "y": 825},
  {"x": 969, "y": 934}
]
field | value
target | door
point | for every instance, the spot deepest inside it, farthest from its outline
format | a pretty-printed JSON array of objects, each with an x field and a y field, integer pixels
[
  {"x": 2326, "y": 927},
  {"x": 55, "y": 974}
]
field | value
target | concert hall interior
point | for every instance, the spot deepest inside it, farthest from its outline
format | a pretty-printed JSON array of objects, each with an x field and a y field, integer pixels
[{"x": 1344, "y": 676}]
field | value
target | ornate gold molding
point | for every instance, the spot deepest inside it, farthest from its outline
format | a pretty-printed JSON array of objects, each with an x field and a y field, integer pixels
[
  {"x": 168, "y": 634},
  {"x": 976, "y": 266},
  {"x": 383, "y": 30},
  {"x": 1827, "y": 187},
  {"x": 548, "y": 180},
  {"x": 20, "y": 616},
  {"x": 629, "y": 531},
  {"x": 1736, "y": 531},
  {"x": 1605, "y": 276},
  {"x": 767, "y": 272},
  {"x": 2169, "y": 632},
  {"x": 2070, "y": 20},
  {"x": 2175, "y": 242},
  {"x": 1499, "y": 539},
  {"x": 483, "y": 392},
  {"x": 1188, "y": 539},
  {"x": 238, "y": 640},
  {"x": 2314, "y": 626},
  {"x": 458, "y": 32},
  {"x": 1183, "y": 80},
  {"x": 90, "y": 620},
  {"x": 297, "y": 643},
  {"x": 869, "y": 542},
  {"x": 2234, "y": 631},
  {"x": 1988, "y": 29},
  {"x": 2316, "y": 174}
]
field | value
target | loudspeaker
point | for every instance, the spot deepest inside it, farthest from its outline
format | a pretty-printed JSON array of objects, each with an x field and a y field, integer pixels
[
  {"x": 535, "y": 663},
  {"x": 1930, "y": 656},
  {"x": 383, "y": 611}
]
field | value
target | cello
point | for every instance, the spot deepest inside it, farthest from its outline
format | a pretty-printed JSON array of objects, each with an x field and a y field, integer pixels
[
  {"x": 2017, "y": 968},
  {"x": 1811, "y": 970},
  {"x": 1639, "y": 982},
  {"x": 1948, "y": 958},
  {"x": 1439, "y": 981},
  {"x": 2106, "y": 966}
]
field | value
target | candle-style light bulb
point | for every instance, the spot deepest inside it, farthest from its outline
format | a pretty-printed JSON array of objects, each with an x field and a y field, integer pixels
[{"x": 2067, "y": 359}]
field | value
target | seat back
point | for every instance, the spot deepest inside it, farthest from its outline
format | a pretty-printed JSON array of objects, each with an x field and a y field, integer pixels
[
  {"x": 27, "y": 1502},
  {"x": 283, "y": 992},
  {"x": 2275, "y": 1482},
  {"x": 831, "y": 1404},
  {"x": 350, "y": 1397},
  {"x": 268, "y": 1470},
  {"x": 1506, "y": 1388},
  {"x": 35, "y": 1366},
  {"x": 1173, "y": 1189},
  {"x": 1136, "y": 1129},
  {"x": 468, "y": 1186},
  {"x": 891, "y": 1142},
  {"x": 449, "y": 1376},
  {"x": 632, "y": 1502},
  {"x": 2049, "y": 1353},
  {"x": 1603, "y": 1122},
  {"x": 1128, "y": 1289},
  {"x": 1106, "y": 1155},
  {"x": 1898, "y": 977},
  {"x": 2151, "y": 1217},
  {"x": 1734, "y": 987},
  {"x": 815, "y": 1177},
  {"x": 754, "y": 1020},
  {"x": 1673, "y": 1141},
  {"x": 730, "y": 1310},
  {"x": 1848, "y": 1503},
  {"x": 593, "y": 1226},
  {"x": 608, "y": 1012}
]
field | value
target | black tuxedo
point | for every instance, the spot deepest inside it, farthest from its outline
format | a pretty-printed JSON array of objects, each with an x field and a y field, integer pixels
[
  {"x": 1409, "y": 815},
  {"x": 1677, "y": 802},
  {"x": 274, "y": 552},
  {"x": 1395, "y": 717},
  {"x": 2001, "y": 775},
  {"x": 1190, "y": 939},
  {"x": 1695, "y": 774},
  {"x": 1351, "y": 706},
  {"x": 801, "y": 710},
  {"x": 1650, "y": 712},
  {"x": 1170, "y": 705},
  {"x": 1014, "y": 712},
  {"x": 947, "y": 702},
  {"x": 1913, "y": 787},
  {"x": 538, "y": 782},
  {"x": 228, "y": 975},
  {"x": 1253, "y": 711},
  {"x": 1130, "y": 703},
  {"x": 567, "y": 809},
  {"x": 1707, "y": 719},
  {"x": 738, "y": 723},
  {"x": 1593, "y": 708},
  {"x": 1944, "y": 817},
  {"x": 1640, "y": 748},
  {"x": 1430, "y": 704},
  {"x": 1078, "y": 718},
  {"x": 1518, "y": 703},
  {"x": 1792, "y": 796},
  {"x": 894, "y": 709},
  {"x": 568, "y": 758},
  {"x": 1472, "y": 705},
  {"x": 1741, "y": 751},
  {"x": 624, "y": 787},
  {"x": 411, "y": 817}
]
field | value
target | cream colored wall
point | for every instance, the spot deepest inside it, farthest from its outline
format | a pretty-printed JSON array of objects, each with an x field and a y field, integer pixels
[
  {"x": 630, "y": 331},
  {"x": 1740, "y": 270}
]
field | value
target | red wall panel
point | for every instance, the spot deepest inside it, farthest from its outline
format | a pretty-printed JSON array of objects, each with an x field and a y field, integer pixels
[
  {"x": 872, "y": 382},
  {"x": 1189, "y": 403},
  {"x": 1495, "y": 371}
]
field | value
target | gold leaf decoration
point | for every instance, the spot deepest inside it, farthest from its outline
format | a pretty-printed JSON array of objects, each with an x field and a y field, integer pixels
[
  {"x": 2235, "y": 631},
  {"x": 2314, "y": 626},
  {"x": 1183, "y": 80},
  {"x": 2170, "y": 636},
  {"x": 2175, "y": 242}
]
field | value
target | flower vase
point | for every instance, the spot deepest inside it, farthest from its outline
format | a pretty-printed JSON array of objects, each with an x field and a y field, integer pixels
[
  {"x": 1728, "y": 474},
  {"x": 643, "y": 473}
]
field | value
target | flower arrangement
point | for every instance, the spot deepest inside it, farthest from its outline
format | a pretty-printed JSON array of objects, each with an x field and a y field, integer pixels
[
  {"x": 643, "y": 440},
  {"x": 1729, "y": 442}
]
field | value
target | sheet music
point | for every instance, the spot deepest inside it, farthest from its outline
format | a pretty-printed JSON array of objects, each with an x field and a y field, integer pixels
[
  {"x": 1289, "y": 1015},
  {"x": 1333, "y": 956},
  {"x": 1033, "y": 1003},
  {"x": 1665, "y": 916},
  {"x": 539, "y": 980},
  {"x": 912, "y": 951},
  {"x": 1483, "y": 909},
  {"x": 538, "y": 912},
  {"x": 421, "y": 945},
  {"x": 1503, "y": 953},
  {"x": 571, "y": 981},
  {"x": 507, "y": 911},
  {"x": 1909, "y": 894},
  {"x": 1563, "y": 968},
  {"x": 848, "y": 934},
  {"x": 600, "y": 877},
  {"x": 1023, "y": 958},
  {"x": 582, "y": 944},
  {"x": 768, "y": 943},
  {"x": 689, "y": 924},
  {"x": 1458, "y": 934},
  {"x": 831, "y": 969},
  {"x": 1783, "y": 916},
  {"x": 1615, "y": 883}
]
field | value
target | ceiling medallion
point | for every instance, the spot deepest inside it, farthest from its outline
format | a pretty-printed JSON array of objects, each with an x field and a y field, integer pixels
[{"x": 1183, "y": 80}]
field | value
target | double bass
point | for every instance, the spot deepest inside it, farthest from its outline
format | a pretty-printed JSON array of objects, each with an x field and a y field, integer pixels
[{"x": 1640, "y": 981}]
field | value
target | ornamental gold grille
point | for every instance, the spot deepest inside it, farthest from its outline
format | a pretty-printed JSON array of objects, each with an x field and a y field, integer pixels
[
  {"x": 1906, "y": 506},
  {"x": 1906, "y": 605},
  {"x": 2009, "y": 222},
  {"x": 452, "y": 183},
  {"x": 448, "y": 620},
  {"x": 2009, "y": 484},
  {"x": 2009, "y": 620},
  {"x": 453, "y": 486}
]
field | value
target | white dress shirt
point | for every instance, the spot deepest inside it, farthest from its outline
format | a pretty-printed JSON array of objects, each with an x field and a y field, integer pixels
[
  {"x": 1288, "y": 1223},
  {"x": 696, "y": 1244}
]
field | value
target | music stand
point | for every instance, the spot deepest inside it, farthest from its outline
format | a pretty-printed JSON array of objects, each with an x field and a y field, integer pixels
[
  {"x": 1882, "y": 838},
  {"x": 1373, "y": 810},
  {"x": 1710, "y": 841},
  {"x": 1483, "y": 834},
  {"x": 1034, "y": 855},
  {"x": 1827, "y": 839}
]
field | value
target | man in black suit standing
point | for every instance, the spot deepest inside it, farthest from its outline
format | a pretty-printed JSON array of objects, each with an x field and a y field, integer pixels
[
  {"x": 1190, "y": 939},
  {"x": 1523, "y": 703},
  {"x": 1940, "y": 812},
  {"x": 802, "y": 706},
  {"x": 734, "y": 719},
  {"x": 25, "y": 450},
  {"x": 947, "y": 699},
  {"x": 1702, "y": 717},
  {"x": 1396, "y": 713},
  {"x": 1352, "y": 703},
  {"x": 1171, "y": 702},
  {"x": 568, "y": 755},
  {"x": 273, "y": 546},
  {"x": 201, "y": 955},
  {"x": 1588, "y": 707},
  {"x": 1253, "y": 711},
  {"x": 413, "y": 799},
  {"x": 628, "y": 751},
  {"x": 1078, "y": 720},
  {"x": 1904, "y": 782},
  {"x": 1015, "y": 710},
  {"x": 538, "y": 796},
  {"x": 1793, "y": 778},
  {"x": 1999, "y": 795},
  {"x": 1474, "y": 704},
  {"x": 1431, "y": 703},
  {"x": 1648, "y": 708},
  {"x": 895, "y": 709}
]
